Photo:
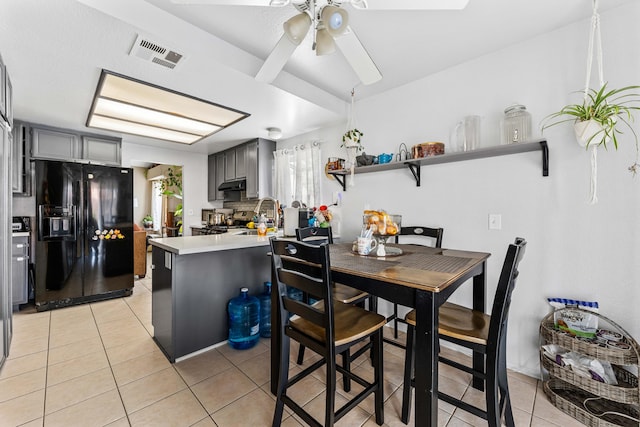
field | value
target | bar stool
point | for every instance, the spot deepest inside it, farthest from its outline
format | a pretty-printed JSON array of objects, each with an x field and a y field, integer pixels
[
  {"x": 479, "y": 332},
  {"x": 434, "y": 236},
  {"x": 327, "y": 327},
  {"x": 343, "y": 293}
]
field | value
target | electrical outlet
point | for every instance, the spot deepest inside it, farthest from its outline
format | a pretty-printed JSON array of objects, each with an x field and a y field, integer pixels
[{"x": 495, "y": 221}]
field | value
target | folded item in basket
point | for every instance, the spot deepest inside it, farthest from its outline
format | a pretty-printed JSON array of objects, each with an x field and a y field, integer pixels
[
  {"x": 576, "y": 322},
  {"x": 580, "y": 364}
]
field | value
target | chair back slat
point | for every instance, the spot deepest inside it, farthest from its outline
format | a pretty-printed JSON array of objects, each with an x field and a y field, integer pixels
[
  {"x": 504, "y": 291},
  {"x": 303, "y": 267},
  {"x": 311, "y": 235},
  {"x": 419, "y": 231}
]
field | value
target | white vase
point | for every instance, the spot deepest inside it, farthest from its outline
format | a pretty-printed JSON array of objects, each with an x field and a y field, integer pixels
[
  {"x": 349, "y": 143},
  {"x": 586, "y": 130}
]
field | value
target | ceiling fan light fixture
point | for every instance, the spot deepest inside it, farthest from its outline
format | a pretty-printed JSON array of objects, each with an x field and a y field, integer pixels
[
  {"x": 296, "y": 28},
  {"x": 335, "y": 20},
  {"x": 325, "y": 44}
]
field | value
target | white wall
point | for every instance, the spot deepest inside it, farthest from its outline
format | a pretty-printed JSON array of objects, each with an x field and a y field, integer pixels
[
  {"x": 194, "y": 176},
  {"x": 575, "y": 250}
]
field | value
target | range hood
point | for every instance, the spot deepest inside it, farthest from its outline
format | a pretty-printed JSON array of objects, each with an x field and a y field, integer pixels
[{"x": 237, "y": 185}]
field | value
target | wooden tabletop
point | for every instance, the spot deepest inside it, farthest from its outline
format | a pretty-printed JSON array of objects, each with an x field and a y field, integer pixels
[{"x": 421, "y": 267}]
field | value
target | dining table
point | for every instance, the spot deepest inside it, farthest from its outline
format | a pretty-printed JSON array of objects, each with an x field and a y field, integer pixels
[{"x": 414, "y": 276}]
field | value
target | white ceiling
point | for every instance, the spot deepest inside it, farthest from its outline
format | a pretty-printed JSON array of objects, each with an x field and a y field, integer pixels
[{"x": 54, "y": 51}]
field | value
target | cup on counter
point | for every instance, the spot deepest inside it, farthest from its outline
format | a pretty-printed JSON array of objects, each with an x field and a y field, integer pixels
[{"x": 366, "y": 245}]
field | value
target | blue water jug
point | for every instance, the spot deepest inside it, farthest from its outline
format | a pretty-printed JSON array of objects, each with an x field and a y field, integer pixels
[
  {"x": 244, "y": 320},
  {"x": 265, "y": 311}
]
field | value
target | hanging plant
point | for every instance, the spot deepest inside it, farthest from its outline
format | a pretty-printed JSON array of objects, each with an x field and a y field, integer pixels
[
  {"x": 352, "y": 138},
  {"x": 598, "y": 119}
]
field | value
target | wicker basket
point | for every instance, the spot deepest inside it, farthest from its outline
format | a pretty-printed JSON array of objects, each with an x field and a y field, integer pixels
[
  {"x": 571, "y": 400},
  {"x": 551, "y": 335},
  {"x": 625, "y": 392}
]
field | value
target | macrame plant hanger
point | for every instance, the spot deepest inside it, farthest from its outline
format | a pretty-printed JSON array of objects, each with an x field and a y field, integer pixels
[
  {"x": 595, "y": 40},
  {"x": 352, "y": 150}
]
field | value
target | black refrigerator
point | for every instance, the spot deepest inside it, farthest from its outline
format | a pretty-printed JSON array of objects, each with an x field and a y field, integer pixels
[{"x": 84, "y": 226}]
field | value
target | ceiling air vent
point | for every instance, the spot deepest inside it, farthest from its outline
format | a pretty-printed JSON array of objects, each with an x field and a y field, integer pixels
[{"x": 156, "y": 52}]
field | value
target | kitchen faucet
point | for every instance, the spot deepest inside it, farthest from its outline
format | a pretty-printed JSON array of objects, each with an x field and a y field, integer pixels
[{"x": 276, "y": 209}]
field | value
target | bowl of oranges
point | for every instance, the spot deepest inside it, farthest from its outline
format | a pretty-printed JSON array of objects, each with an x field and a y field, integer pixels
[{"x": 382, "y": 225}]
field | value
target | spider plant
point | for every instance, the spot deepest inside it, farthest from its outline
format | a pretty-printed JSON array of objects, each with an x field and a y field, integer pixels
[{"x": 608, "y": 108}]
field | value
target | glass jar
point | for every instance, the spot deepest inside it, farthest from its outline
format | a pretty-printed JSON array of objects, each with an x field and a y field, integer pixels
[{"x": 516, "y": 125}]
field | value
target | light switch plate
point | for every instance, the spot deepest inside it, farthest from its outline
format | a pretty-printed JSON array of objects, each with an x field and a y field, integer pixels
[{"x": 495, "y": 221}]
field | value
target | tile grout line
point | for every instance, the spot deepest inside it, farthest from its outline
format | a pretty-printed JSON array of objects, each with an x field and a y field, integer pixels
[{"x": 126, "y": 413}]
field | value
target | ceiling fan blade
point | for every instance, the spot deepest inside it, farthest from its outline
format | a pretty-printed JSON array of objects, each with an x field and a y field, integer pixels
[
  {"x": 276, "y": 60},
  {"x": 409, "y": 4},
  {"x": 357, "y": 57},
  {"x": 235, "y": 2}
]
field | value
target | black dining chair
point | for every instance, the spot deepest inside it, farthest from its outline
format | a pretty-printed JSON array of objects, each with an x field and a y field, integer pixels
[
  {"x": 431, "y": 237},
  {"x": 479, "y": 332},
  {"x": 343, "y": 293},
  {"x": 327, "y": 327}
]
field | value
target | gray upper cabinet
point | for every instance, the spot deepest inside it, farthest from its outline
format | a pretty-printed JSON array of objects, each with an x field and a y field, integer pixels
[
  {"x": 21, "y": 171},
  {"x": 48, "y": 143},
  {"x": 220, "y": 162},
  {"x": 3, "y": 83},
  {"x": 235, "y": 163},
  {"x": 229, "y": 165},
  {"x": 259, "y": 168},
  {"x": 212, "y": 189},
  {"x": 103, "y": 150},
  {"x": 241, "y": 161},
  {"x": 68, "y": 145}
]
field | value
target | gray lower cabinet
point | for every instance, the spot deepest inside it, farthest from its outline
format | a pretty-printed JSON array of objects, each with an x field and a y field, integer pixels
[
  {"x": 68, "y": 145},
  {"x": 191, "y": 292},
  {"x": 19, "y": 270}
]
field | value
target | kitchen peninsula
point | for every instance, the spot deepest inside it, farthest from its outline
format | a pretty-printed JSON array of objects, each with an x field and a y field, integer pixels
[{"x": 193, "y": 279}]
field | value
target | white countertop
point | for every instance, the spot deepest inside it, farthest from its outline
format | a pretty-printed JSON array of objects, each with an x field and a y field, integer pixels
[{"x": 211, "y": 243}]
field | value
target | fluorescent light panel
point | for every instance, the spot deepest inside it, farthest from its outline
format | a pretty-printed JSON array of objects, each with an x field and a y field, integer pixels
[{"x": 130, "y": 106}]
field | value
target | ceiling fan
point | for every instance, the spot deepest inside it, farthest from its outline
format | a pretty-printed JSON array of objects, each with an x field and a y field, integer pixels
[{"x": 331, "y": 24}]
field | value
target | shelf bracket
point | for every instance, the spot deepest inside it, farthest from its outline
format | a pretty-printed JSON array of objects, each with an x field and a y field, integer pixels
[
  {"x": 545, "y": 158},
  {"x": 341, "y": 178},
  {"x": 415, "y": 170}
]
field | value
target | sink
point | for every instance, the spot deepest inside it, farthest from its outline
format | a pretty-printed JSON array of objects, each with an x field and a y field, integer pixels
[{"x": 248, "y": 232}]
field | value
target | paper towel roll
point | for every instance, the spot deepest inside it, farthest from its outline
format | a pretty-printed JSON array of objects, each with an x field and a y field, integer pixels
[{"x": 290, "y": 221}]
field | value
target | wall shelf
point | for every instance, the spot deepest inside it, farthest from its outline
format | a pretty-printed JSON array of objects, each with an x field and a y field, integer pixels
[{"x": 481, "y": 153}]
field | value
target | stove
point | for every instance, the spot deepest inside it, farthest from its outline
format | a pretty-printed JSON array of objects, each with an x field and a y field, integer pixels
[{"x": 214, "y": 229}]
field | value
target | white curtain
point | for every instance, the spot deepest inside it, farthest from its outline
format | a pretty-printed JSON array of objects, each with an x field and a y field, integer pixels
[
  {"x": 156, "y": 204},
  {"x": 297, "y": 173}
]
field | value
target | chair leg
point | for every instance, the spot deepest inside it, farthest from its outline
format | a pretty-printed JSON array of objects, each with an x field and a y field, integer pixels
[
  {"x": 282, "y": 380},
  {"x": 300, "y": 355},
  {"x": 378, "y": 377},
  {"x": 503, "y": 386},
  {"x": 395, "y": 321},
  {"x": 491, "y": 392},
  {"x": 346, "y": 364},
  {"x": 408, "y": 375},
  {"x": 330, "y": 402}
]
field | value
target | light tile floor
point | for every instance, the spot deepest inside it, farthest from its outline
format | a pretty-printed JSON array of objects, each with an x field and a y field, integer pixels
[{"x": 97, "y": 365}]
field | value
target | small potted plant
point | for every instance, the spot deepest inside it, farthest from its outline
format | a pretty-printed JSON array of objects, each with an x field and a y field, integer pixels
[
  {"x": 147, "y": 221},
  {"x": 598, "y": 119},
  {"x": 352, "y": 138}
]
